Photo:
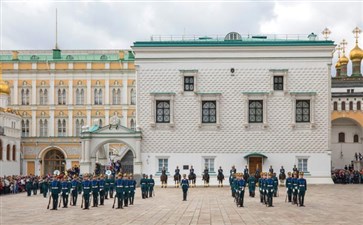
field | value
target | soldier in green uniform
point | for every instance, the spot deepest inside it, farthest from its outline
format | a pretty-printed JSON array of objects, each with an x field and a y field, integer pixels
[
  {"x": 147, "y": 186},
  {"x": 35, "y": 186},
  {"x": 29, "y": 186},
  {"x": 270, "y": 189},
  {"x": 232, "y": 179},
  {"x": 55, "y": 188},
  {"x": 251, "y": 185},
  {"x": 112, "y": 185},
  {"x": 289, "y": 187},
  {"x": 264, "y": 188},
  {"x": 74, "y": 190},
  {"x": 143, "y": 184},
  {"x": 302, "y": 188},
  {"x": 86, "y": 188},
  {"x": 107, "y": 186},
  {"x": 132, "y": 184},
  {"x": 126, "y": 190},
  {"x": 65, "y": 191},
  {"x": 151, "y": 186},
  {"x": 260, "y": 184},
  {"x": 276, "y": 184},
  {"x": 119, "y": 184},
  {"x": 294, "y": 189},
  {"x": 95, "y": 191},
  {"x": 45, "y": 187},
  {"x": 102, "y": 183},
  {"x": 185, "y": 186}
]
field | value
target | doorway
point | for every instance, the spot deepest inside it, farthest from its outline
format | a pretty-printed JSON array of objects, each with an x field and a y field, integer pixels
[{"x": 254, "y": 163}]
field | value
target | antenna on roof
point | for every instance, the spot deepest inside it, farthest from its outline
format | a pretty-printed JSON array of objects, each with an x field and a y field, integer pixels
[{"x": 56, "y": 28}]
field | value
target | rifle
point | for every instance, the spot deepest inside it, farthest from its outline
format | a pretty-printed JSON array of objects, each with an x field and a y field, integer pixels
[
  {"x": 82, "y": 200},
  {"x": 50, "y": 197},
  {"x": 286, "y": 197},
  {"x": 60, "y": 201},
  {"x": 114, "y": 200}
]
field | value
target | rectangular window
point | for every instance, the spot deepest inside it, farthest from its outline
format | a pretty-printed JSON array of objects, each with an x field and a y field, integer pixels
[
  {"x": 163, "y": 111},
  {"x": 209, "y": 163},
  {"x": 278, "y": 83},
  {"x": 255, "y": 110},
  {"x": 302, "y": 111},
  {"x": 209, "y": 112},
  {"x": 303, "y": 165},
  {"x": 189, "y": 83},
  {"x": 163, "y": 163}
]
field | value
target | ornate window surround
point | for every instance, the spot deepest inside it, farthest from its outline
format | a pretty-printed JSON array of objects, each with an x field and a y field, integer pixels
[
  {"x": 188, "y": 73},
  {"x": 168, "y": 96},
  {"x": 255, "y": 96},
  {"x": 279, "y": 72},
  {"x": 203, "y": 96},
  {"x": 303, "y": 96}
]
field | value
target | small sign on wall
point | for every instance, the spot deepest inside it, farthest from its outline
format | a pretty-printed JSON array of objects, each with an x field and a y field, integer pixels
[{"x": 185, "y": 167}]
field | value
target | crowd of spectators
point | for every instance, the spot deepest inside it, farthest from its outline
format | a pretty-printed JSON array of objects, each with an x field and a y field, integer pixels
[{"x": 14, "y": 184}]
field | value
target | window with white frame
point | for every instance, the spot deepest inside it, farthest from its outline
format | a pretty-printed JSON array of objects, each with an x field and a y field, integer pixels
[
  {"x": 62, "y": 128},
  {"x": 79, "y": 125},
  {"x": 79, "y": 96},
  {"x": 163, "y": 162},
  {"x": 116, "y": 96},
  {"x": 188, "y": 80},
  {"x": 188, "y": 83},
  {"x": 302, "y": 164},
  {"x": 98, "y": 96},
  {"x": 255, "y": 110},
  {"x": 133, "y": 97},
  {"x": 62, "y": 96},
  {"x": 303, "y": 109},
  {"x": 43, "y": 126},
  {"x": 25, "y": 128},
  {"x": 279, "y": 79},
  {"x": 25, "y": 93},
  {"x": 209, "y": 163},
  {"x": 162, "y": 109},
  {"x": 43, "y": 96},
  {"x": 209, "y": 112},
  {"x": 209, "y": 109},
  {"x": 278, "y": 83}
]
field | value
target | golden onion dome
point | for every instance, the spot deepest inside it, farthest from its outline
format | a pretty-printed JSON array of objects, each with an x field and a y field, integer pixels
[
  {"x": 337, "y": 65},
  {"x": 343, "y": 60},
  {"x": 356, "y": 53},
  {"x": 4, "y": 88}
]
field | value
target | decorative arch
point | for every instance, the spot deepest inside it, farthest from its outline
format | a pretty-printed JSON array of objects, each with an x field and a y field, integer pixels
[
  {"x": 356, "y": 117},
  {"x": 44, "y": 151},
  {"x": 14, "y": 153},
  {"x": 8, "y": 152},
  {"x": 109, "y": 141}
]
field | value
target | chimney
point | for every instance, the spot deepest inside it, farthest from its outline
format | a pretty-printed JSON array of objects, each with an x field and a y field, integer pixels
[{"x": 15, "y": 55}]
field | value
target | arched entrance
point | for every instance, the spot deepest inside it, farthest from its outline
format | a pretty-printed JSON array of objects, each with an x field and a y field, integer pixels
[
  {"x": 53, "y": 160},
  {"x": 127, "y": 162}
]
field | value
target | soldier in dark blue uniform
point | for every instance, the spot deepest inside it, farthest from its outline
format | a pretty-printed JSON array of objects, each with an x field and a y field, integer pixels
[
  {"x": 241, "y": 185},
  {"x": 185, "y": 186},
  {"x": 86, "y": 188},
  {"x": 231, "y": 179},
  {"x": 132, "y": 186},
  {"x": 65, "y": 191},
  {"x": 302, "y": 189},
  {"x": 246, "y": 173},
  {"x": 29, "y": 186},
  {"x": 74, "y": 190},
  {"x": 260, "y": 184},
  {"x": 295, "y": 189},
  {"x": 55, "y": 188},
  {"x": 95, "y": 191},
  {"x": 264, "y": 188},
  {"x": 112, "y": 185},
  {"x": 107, "y": 186},
  {"x": 271, "y": 170},
  {"x": 126, "y": 190},
  {"x": 151, "y": 186},
  {"x": 35, "y": 186},
  {"x": 101, "y": 184},
  {"x": 289, "y": 187},
  {"x": 45, "y": 187},
  {"x": 252, "y": 185},
  {"x": 143, "y": 184},
  {"x": 147, "y": 187},
  {"x": 276, "y": 184},
  {"x": 270, "y": 189},
  {"x": 119, "y": 184}
]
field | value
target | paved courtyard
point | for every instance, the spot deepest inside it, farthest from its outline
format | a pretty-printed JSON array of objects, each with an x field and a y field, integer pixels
[{"x": 325, "y": 204}]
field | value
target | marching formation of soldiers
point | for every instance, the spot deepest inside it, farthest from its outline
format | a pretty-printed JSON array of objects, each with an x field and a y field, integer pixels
[{"x": 95, "y": 188}]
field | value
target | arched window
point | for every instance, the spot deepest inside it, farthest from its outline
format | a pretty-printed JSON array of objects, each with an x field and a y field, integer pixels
[
  {"x": 133, "y": 97},
  {"x": 1, "y": 150},
  {"x": 356, "y": 138},
  {"x": 45, "y": 96},
  {"x": 335, "y": 106},
  {"x": 41, "y": 96},
  {"x": 79, "y": 96},
  {"x": 101, "y": 123},
  {"x": 350, "y": 105},
  {"x": 61, "y": 96},
  {"x": 79, "y": 125},
  {"x": 25, "y": 128},
  {"x": 25, "y": 96},
  {"x": 43, "y": 124},
  {"x": 132, "y": 124},
  {"x": 14, "y": 153},
  {"x": 62, "y": 128},
  {"x": 343, "y": 105},
  {"x": 116, "y": 96},
  {"x": 358, "y": 105},
  {"x": 98, "y": 96},
  {"x": 341, "y": 137},
  {"x": 8, "y": 152}
]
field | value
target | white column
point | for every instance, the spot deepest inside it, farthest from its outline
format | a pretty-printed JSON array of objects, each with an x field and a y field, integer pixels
[
  {"x": 70, "y": 122},
  {"x": 89, "y": 122},
  {"x": 51, "y": 93},
  {"x": 15, "y": 93},
  {"x": 70, "y": 92},
  {"x": 89, "y": 90},
  {"x": 34, "y": 123},
  {"x": 51, "y": 123},
  {"x": 124, "y": 96},
  {"x": 107, "y": 117},
  {"x": 124, "y": 118},
  {"x": 107, "y": 91},
  {"x": 34, "y": 92},
  {"x": 87, "y": 151}
]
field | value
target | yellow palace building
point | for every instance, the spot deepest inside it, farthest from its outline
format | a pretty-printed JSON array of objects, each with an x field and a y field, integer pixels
[{"x": 57, "y": 93}]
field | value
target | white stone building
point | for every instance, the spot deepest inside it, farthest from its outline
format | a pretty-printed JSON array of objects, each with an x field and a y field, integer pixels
[{"x": 237, "y": 101}]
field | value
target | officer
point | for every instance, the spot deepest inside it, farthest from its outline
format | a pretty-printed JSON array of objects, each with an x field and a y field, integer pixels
[
  {"x": 143, "y": 184},
  {"x": 295, "y": 170},
  {"x": 74, "y": 190},
  {"x": 252, "y": 185},
  {"x": 177, "y": 174},
  {"x": 241, "y": 185},
  {"x": 87, "y": 188},
  {"x": 35, "y": 186},
  {"x": 276, "y": 184},
  {"x": 235, "y": 186},
  {"x": 302, "y": 189},
  {"x": 264, "y": 188},
  {"x": 282, "y": 175},
  {"x": 245, "y": 173},
  {"x": 233, "y": 170},
  {"x": 112, "y": 185},
  {"x": 220, "y": 177},
  {"x": 29, "y": 186},
  {"x": 132, "y": 186},
  {"x": 101, "y": 183},
  {"x": 55, "y": 190},
  {"x": 185, "y": 186},
  {"x": 45, "y": 187},
  {"x": 270, "y": 189},
  {"x": 151, "y": 186},
  {"x": 126, "y": 190},
  {"x": 231, "y": 179},
  {"x": 289, "y": 187},
  {"x": 119, "y": 184},
  {"x": 260, "y": 184},
  {"x": 295, "y": 189},
  {"x": 65, "y": 191},
  {"x": 271, "y": 170},
  {"x": 107, "y": 186},
  {"x": 95, "y": 191},
  {"x": 41, "y": 180},
  {"x": 147, "y": 186}
]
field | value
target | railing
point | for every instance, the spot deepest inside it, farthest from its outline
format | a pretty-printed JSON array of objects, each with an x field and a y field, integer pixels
[{"x": 245, "y": 37}]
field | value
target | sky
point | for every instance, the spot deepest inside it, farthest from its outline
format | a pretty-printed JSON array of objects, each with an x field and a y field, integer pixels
[{"x": 30, "y": 24}]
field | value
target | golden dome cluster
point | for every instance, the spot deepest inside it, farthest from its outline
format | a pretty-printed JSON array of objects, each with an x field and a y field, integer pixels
[{"x": 4, "y": 87}]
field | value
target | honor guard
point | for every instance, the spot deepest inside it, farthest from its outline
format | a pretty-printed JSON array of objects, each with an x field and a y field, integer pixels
[
  {"x": 245, "y": 173},
  {"x": 241, "y": 185},
  {"x": 86, "y": 188},
  {"x": 74, "y": 190},
  {"x": 271, "y": 170},
  {"x": 177, "y": 176},
  {"x": 302, "y": 188},
  {"x": 55, "y": 188},
  {"x": 95, "y": 191},
  {"x": 289, "y": 186},
  {"x": 220, "y": 177},
  {"x": 143, "y": 184},
  {"x": 147, "y": 187},
  {"x": 282, "y": 175},
  {"x": 101, "y": 184},
  {"x": 126, "y": 190},
  {"x": 65, "y": 191},
  {"x": 260, "y": 185},
  {"x": 264, "y": 188},
  {"x": 270, "y": 189},
  {"x": 112, "y": 185},
  {"x": 132, "y": 184},
  {"x": 45, "y": 187},
  {"x": 29, "y": 186},
  {"x": 35, "y": 186},
  {"x": 119, "y": 184},
  {"x": 185, "y": 186},
  {"x": 107, "y": 186},
  {"x": 295, "y": 170},
  {"x": 276, "y": 184},
  {"x": 295, "y": 189},
  {"x": 151, "y": 186},
  {"x": 252, "y": 185}
]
